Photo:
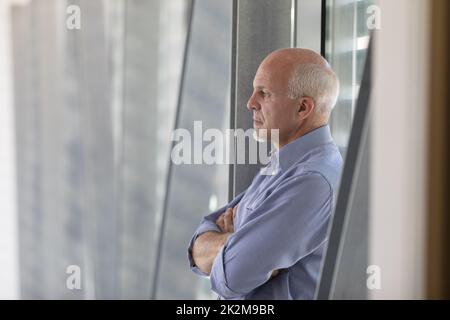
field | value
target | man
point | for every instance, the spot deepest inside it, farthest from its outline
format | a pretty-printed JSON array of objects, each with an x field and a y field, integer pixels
[{"x": 269, "y": 241}]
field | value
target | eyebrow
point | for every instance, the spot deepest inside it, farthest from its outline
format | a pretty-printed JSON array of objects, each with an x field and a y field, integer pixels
[{"x": 259, "y": 87}]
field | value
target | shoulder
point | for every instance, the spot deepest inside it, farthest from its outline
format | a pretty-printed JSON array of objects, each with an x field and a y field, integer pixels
[
  {"x": 308, "y": 183},
  {"x": 323, "y": 165}
]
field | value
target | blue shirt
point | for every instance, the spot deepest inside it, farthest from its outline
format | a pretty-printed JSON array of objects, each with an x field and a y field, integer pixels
[{"x": 281, "y": 223}]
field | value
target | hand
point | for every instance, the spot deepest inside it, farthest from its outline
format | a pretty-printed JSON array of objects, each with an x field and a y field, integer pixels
[
  {"x": 274, "y": 273},
  {"x": 226, "y": 220},
  {"x": 206, "y": 247}
]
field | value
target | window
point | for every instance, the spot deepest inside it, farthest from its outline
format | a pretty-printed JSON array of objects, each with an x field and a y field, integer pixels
[
  {"x": 195, "y": 190},
  {"x": 346, "y": 47},
  {"x": 346, "y": 42},
  {"x": 94, "y": 108}
]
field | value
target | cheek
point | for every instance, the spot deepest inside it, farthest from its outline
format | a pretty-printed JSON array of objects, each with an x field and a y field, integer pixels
[
  {"x": 269, "y": 112},
  {"x": 281, "y": 117},
  {"x": 277, "y": 114},
  {"x": 268, "y": 117}
]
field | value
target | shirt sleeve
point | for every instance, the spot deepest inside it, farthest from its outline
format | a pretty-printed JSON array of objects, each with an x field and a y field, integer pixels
[
  {"x": 288, "y": 225},
  {"x": 208, "y": 223}
]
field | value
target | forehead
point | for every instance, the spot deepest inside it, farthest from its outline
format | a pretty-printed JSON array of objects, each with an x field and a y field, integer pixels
[{"x": 271, "y": 75}]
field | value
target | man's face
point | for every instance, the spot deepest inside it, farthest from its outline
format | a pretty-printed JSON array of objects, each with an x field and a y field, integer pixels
[{"x": 272, "y": 109}]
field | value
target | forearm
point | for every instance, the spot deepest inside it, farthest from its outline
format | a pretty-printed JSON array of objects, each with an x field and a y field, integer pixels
[{"x": 205, "y": 249}]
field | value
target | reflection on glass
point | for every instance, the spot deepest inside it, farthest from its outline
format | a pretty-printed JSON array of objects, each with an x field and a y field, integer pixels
[
  {"x": 347, "y": 39},
  {"x": 346, "y": 42}
]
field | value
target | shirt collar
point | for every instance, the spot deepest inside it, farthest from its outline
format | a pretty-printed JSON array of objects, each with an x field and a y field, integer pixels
[{"x": 292, "y": 152}]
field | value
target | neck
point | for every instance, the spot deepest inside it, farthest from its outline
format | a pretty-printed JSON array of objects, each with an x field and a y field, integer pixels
[{"x": 301, "y": 131}]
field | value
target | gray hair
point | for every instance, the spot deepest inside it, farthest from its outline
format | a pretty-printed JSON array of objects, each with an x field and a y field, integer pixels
[{"x": 317, "y": 82}]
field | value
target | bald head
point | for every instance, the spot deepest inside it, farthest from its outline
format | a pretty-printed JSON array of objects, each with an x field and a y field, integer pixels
[
  {"x": 305, "y": 73},
  {"x": 292, "y": 56}
]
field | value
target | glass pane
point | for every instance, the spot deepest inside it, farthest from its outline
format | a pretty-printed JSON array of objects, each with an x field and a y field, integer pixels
[
  {"x": 198, "y": 189},
  {"x": 152, "y": 40},
  {"x": 309, "y": 24},
  {"x": 94, "y": 106},
  {"x": 346, "y": 42},
  {"x": 347, "y": 39}
]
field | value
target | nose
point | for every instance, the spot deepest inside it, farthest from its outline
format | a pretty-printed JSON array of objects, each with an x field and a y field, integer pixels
[{"x": 252, "y": 104}]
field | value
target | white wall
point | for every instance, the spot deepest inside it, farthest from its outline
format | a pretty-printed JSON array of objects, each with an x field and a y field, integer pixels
[
  {"x": 398, "y": 184},
  {"x": 9, "y": 265}
]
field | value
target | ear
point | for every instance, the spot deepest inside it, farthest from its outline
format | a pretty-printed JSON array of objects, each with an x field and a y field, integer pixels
[{"x": 306, "y": 106}]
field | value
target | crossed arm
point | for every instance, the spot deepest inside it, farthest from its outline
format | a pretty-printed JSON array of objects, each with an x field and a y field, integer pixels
[{"x": 207, "y": 245}]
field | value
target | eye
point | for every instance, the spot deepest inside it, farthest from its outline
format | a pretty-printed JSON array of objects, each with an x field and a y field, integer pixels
[{"x": 264, "y": 93}]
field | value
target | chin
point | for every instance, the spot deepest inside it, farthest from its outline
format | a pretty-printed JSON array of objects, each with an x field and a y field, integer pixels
[{"x": 261, "y": 136}]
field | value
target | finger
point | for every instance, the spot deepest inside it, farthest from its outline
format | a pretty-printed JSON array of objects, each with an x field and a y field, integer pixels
[
  {"x": 234, "y": 212},
  {"x": 225, "y": 220},
  {"x": 228, "y": 219},
  {"x": 221, "y": 226},
  {"x": 275, "y": 273},
  {"x": 220, "y": 223}
]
